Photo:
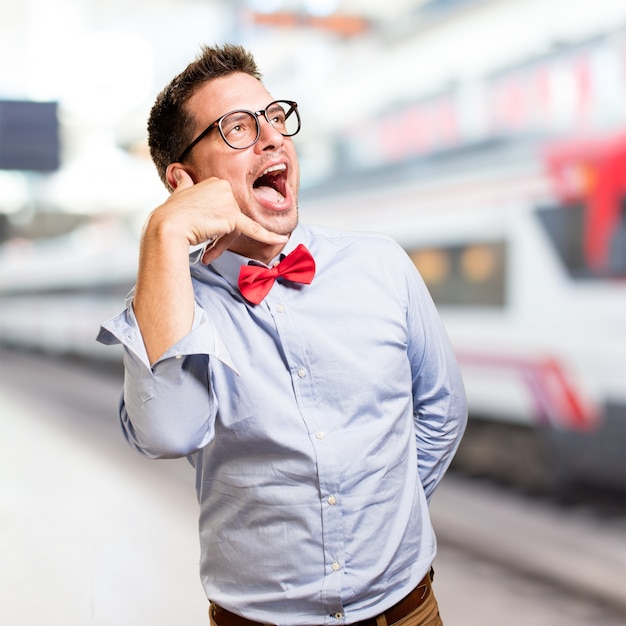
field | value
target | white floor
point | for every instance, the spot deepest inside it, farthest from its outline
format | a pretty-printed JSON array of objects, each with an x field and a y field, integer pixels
[{"x": 83, "y": 541}]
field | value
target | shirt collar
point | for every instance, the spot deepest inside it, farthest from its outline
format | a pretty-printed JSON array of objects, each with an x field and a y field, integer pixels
[{"x": 228, "y": 263}]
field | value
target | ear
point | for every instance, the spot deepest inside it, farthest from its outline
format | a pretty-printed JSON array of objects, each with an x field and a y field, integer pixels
[{"x": 176, "y": 176}]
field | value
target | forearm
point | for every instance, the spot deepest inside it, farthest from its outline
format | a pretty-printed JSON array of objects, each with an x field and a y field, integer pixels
[{"x": 163, "y": 300}]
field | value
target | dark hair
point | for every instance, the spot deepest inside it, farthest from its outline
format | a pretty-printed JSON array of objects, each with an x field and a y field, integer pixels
[{"x": 170, "y": 124}]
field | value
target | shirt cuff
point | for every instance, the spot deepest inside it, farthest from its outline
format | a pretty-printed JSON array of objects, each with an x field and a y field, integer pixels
[{"x": 201, "y": 339}]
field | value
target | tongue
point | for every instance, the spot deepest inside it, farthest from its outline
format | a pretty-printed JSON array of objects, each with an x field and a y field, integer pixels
[{"x": 269, "y": 194}]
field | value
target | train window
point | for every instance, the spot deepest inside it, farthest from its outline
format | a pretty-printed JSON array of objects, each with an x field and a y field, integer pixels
[
  {"x": 591, "y": 245},
  {"x": 464, "y": 275},
  {"x": 434, "y": 265},
  {"x": 478, "y": 263}
]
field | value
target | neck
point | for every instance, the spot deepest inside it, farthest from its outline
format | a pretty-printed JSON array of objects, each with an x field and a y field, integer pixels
[{"x": 245, "y": 246}]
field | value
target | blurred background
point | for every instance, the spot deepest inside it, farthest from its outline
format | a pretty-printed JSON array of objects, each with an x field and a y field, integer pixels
[{"x": 487, "y": 136}]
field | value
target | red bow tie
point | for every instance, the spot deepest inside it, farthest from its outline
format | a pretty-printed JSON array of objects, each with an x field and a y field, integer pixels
[{"x": 255, "y": 281}]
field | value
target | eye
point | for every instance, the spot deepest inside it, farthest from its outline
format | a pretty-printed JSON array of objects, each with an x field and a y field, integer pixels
[
  {"x": 277, "y": 116},
  {"x": 238, "y": 124},
  {"x": 234, "y": 129}
]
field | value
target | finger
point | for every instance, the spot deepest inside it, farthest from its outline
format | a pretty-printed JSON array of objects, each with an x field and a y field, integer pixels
[
  {"x": 183, "y": 180},
  {"x": 177, "y": 177},
  {"x": 254, "y": 230},
  {"x": 217, "y": 247}
]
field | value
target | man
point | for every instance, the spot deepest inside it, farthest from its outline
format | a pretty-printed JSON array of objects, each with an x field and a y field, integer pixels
[{"x": 320, "y": 404}]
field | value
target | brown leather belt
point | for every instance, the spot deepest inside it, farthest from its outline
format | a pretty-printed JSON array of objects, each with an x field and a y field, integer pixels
[{"x": 401, "y": 609}]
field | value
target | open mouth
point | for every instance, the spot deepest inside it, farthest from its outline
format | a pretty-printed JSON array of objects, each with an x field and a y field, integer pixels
[{"x": 271, "y": 186}]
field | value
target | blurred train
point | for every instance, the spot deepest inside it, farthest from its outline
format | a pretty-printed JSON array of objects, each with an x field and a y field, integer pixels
[{"x": 523, "y": 248}]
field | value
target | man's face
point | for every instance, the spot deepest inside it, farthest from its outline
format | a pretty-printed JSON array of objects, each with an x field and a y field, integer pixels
[{"x": 269, "y": 198}]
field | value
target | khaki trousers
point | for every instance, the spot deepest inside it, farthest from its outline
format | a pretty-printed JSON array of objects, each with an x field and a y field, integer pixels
[{"x": 426, "y": 614}]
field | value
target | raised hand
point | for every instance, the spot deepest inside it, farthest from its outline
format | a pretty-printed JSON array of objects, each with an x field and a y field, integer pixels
[{"x": 193, "y": 214}]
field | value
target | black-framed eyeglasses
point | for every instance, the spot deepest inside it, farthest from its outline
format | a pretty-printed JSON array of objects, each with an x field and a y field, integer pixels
[{"x": 241, "y": 129}]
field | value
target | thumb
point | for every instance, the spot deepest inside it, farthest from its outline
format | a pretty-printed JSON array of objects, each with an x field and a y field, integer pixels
[{"x": 178, "y": 178}]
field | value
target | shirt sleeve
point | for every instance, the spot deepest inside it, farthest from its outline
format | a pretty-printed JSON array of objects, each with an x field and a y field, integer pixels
[
  {"x": 439, "y": 401},
  {"x": 167, "y": 410}
]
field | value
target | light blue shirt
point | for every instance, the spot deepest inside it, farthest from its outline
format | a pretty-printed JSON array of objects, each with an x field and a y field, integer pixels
[{"x": 319, "y": 422}]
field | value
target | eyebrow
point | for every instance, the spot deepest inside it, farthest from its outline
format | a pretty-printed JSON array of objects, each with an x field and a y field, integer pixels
[{"x": 236, "y": 115}]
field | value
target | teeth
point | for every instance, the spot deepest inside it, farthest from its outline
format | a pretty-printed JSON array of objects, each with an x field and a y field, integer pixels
[{"x": 275, "y": 168}]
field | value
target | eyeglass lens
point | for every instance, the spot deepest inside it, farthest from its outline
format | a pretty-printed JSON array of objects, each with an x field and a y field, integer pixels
[{"x": 240, "y": 129}]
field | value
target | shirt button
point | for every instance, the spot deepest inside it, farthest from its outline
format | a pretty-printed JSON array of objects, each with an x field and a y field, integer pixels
[
  {"x": 280, "y": 308},
  {"x": 178, "y": 356},
  {"x": 319, "y": 435},
  {"x": 302, "y": 372},
  {"x": 332, "y": 500},
  {"x": 336, "y": 567},
  {"x": 337, "y": 615}
]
